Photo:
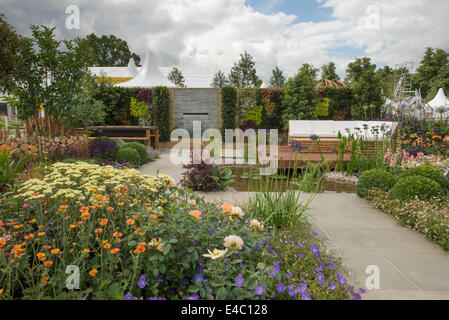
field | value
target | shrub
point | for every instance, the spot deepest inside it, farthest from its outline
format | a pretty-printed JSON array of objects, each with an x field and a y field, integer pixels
[
  {"x": 430, "y": 172},
  {"x": 412, "y": 187},
  {"x": 128, "y": 154},
  {"x": 9, "y": 167},
  {"x": 120, "y": 144},
  {"x": 228, "y": 108},
  {"x": 102, "y": 147},
  {"x": 375, "y": 179},
  {"x": 198, "y": 177},
  {"x": 254, "y": 114},
  {"x": 161, "y": 102},
  {"x": 141, "y": 149},
  {"x": 138, "y": 109}
]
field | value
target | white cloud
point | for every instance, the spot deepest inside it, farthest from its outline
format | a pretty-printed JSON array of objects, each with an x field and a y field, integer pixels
[{"x": 214, "y": 32}]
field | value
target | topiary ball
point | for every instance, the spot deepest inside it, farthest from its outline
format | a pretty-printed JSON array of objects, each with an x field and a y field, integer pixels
[
  {"x": 411, "y": 187},
  {"x": 128, "y": 154},
  {"x": 140, "y": 148},
  {"x": 430, "y": 172},
  {"x": 375, "y": 179}
]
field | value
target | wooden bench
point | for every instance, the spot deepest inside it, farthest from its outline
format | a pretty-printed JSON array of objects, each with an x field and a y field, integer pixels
[{"x": 128, "y": 133}]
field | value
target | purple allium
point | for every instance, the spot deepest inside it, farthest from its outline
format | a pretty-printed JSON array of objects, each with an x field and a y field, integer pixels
[
  {"x": 280, "y": 287},
  {"x": 260, "y": 290},
  {"x": 239, "y": 280},
  {"x": 314, "y": 137},
  {"x": 142, "y": 282}
]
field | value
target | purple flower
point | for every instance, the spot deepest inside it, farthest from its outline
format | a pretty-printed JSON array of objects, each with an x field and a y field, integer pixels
[
  {"x": 239, "y": 280},
  {"x": 320, "y": 278},
  {"x": 280, "y": 287},
  {"x": 306, "y": 297},
  {"x": 301, "y": 256},
  {"x": 332, "y": 287},
  {"x": 361, "y": 290},
  {"x": 193, "y": 297},
  {"x": 291, "y": 291},
  {"x": 356, "y": 296},
  {"x": 198, "y": 277},
  {"x": 85, "y": 296},
  {"x": 158, "y": 279},
  {"x": 142, "y": 282},
  {"x": 341, "y": 280},
  {"x": 129, "y": 297},
  {"x": 157, "y": 298},
  {"x": 314, "y": 137},
  {"x": 211, "y": 232},
  {"x": 260, "y": 290}
]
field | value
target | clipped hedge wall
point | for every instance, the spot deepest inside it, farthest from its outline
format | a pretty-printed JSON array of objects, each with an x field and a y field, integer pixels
[
  {"x": 161, "y": 103},
  {"x": 228, "y": 108},
  {"x": 375, "y": 179}
]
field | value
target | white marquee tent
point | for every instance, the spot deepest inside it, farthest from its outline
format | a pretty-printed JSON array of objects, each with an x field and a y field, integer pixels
[{"x": 440, "y": 101}]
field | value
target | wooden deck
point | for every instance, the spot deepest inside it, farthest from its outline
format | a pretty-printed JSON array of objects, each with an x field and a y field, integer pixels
[{"x": 287, "y": 157}]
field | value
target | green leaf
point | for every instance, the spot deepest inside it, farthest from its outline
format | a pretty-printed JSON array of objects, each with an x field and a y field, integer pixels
[
  {"x": 166, "y": 249},
  {"x": 252, "y": 283},
  {"x": 221, "y": 294}
]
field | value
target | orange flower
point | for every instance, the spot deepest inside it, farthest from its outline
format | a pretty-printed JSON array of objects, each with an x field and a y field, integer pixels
[
  {"x": 2, "y": 242},
  {"x": 114, "y": 251},
  {"x": 46, "y": 247},
  {"x": 110, "y": 209},
  {"x": 98, "y": 230},
  {"x": 28, "y": 236},
  {"x": 152, "y": 216},
  {"x": 193, "y": 202},
  {"x": 40, "y": 234},
  {"x": 196, "y": 214},
  {"x": 48, "y": 263},
  {"x": 41, "y": 256},
  {"x": 117, "y": 234},
  {"x": 120, "y": 204},
  {"x": 130, "y": 221},
  {"x": 227, "y": 206},
  {"x": 107, "y": 246},
  {"x": 84, "y": 209},
  {"x": 149, "y": 208},
  {"x": 85, "y": 215},
  {"x": 55, "y": 251},
  {"x": 103, "y": 222},
  {"x": 72, "y": 226},
  {"x": 86, "y": 250},
  {"x": 93, "y": 272},
  {"x": 139, "y": 249},
  {"x": 31, "y": 221}
]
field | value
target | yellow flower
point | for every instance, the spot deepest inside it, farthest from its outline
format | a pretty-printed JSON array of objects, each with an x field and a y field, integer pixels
[{"x": 215, "y": 254}]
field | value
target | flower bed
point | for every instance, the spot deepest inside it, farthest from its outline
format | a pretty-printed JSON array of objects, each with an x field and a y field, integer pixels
[
  {"x": 428, "y": 217},
  {"x": 136, "y": 236}
]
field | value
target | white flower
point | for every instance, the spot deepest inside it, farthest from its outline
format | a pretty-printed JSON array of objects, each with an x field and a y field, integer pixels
[
  {"x": 233, "y": 242},
  {"x": 215, "y": 254},
  {"x": 255, "y": 224},
  {"x": 237, "y": 211}
]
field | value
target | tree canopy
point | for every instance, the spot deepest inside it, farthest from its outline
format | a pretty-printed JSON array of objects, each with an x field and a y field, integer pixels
[
  {"x": 108, "y": 51},
  {"x": 433, "y": 72},
  {"x": 10, "y": 43},
  {"x": 328, "y": 72},
  {"x": 277, "y": 79},
  {"x": 243, "y": 74},
  {"x": 175, "y": 76},
  {"x": 219, "y": 80}
]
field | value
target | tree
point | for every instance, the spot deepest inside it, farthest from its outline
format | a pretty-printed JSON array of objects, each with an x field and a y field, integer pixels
[
  {"x": 9, "y": 49},
  {"x": 219, "y": 80},
  {"x": 429, "y": 73},
  {"x": 300, "y": 98},
  {"x": 108, "y": 51},
  {"x": 243, "y": 73},
  {"x": 310, "y": 71},
  {"x": 175, "y": 76},
  {"x": 361, "y": 74},
  {"x": 52, "y": 77},
  {"x": 328, "y": 71},
  {"x": 277, "y": 79}
]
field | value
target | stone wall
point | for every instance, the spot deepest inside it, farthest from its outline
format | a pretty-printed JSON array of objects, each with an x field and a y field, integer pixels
[{"x": 195, "y": 104}]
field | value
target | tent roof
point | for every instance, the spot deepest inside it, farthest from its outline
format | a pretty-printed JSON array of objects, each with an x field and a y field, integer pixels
[{"x": 440, "y": 100}]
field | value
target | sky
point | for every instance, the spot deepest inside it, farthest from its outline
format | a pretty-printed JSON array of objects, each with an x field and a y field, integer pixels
[{"x": 283, "y": 33}]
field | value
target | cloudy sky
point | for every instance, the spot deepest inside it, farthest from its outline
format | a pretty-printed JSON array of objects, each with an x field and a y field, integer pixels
[{"x": 286, "y": 33}]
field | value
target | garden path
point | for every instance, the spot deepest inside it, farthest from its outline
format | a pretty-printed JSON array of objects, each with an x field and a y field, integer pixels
[{"x": 410, "y": 266}]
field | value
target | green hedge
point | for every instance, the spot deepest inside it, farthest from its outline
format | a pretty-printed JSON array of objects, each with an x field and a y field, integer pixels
[
  {"x": 375, "y": 179},
  {"x": 430, "y": 172},
  {"x": 128, "y": 154},
  {"x": 161, "y": 103},
  {"x": 228, "y": 108},
  {"x": 411, "y": 187}
]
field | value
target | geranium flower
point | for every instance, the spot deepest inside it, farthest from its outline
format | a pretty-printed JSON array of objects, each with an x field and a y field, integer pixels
[
  {"x": 215, "y": 254},
  {"x": 233, "y": 242},
  {"x": 260, "y": 290},
  {"x": 280, "y": 288},
  {"x": 142, "y": 282},
  {"x": 239, "y": 280}
]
